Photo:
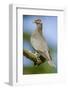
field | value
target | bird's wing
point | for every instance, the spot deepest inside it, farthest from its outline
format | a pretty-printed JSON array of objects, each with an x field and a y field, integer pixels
[
  {"x": 38, "y": 42},
  {"x": 40, "y": 45},
  {"x": 49, "y": 54}
]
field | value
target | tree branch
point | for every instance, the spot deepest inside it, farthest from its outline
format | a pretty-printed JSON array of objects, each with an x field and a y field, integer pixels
[{"x": 33, "y": 57}]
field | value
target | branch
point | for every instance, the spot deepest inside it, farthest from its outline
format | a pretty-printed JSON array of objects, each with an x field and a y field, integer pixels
[
  {"x": 37, "y": 61},
  {"x": 33, "y": 57}
]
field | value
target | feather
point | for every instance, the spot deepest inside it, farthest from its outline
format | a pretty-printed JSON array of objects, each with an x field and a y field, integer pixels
[{"x": 39, "y": 43}]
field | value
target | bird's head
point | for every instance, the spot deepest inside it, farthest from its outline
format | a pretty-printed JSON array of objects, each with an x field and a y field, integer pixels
[{"x": 38, "y": 21}]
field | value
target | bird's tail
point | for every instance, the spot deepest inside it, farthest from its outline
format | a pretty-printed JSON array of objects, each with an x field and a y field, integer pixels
[{"x": 51, "y": 64}]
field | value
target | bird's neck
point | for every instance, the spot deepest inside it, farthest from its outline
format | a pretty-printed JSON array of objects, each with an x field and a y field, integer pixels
[{"x": 39, "y": 28}]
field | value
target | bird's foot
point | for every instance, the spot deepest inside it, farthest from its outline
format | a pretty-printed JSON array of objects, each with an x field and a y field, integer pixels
[
  {"x": 38, "y": 61},
  {"x": 35, "y": 53}
]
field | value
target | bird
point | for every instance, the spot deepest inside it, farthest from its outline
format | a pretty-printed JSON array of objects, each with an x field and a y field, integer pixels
[{"x": 39, "y": 43}]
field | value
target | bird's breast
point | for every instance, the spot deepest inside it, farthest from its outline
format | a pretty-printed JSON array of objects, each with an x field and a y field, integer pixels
[{"x": 38, "y": 42}]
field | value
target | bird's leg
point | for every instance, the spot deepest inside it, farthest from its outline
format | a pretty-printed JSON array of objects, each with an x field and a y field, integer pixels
[{"x": 38, "y": 62}]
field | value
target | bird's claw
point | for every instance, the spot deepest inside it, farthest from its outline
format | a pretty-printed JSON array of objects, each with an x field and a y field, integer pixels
[{"x": 38, "y": 61}]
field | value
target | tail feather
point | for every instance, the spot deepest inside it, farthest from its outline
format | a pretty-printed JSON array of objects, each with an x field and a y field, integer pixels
[{"x": 51, "y": 64}]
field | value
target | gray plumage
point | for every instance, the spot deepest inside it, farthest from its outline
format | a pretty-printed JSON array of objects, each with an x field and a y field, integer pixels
[{"x": 39, "y": 43}]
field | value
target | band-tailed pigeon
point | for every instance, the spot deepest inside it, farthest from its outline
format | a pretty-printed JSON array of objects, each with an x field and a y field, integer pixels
[{"x": 39, "y": 43}]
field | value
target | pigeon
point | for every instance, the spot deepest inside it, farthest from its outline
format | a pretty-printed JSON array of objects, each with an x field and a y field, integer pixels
[{"x": 39, "y": 43}]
